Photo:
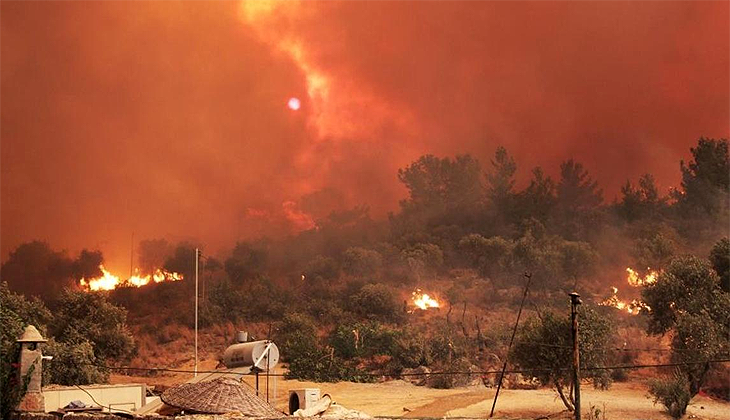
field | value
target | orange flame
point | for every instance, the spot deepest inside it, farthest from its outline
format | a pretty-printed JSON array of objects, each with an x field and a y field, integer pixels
[
  {"x": 424, "y": 301},
  {"x": 633, "y": 307},
  {"x": 635, "y": 280},
  {"x": 108, "y": 281}
]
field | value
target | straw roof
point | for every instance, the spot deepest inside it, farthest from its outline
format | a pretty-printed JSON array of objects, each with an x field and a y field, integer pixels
[{"x": 221, "y": 395}]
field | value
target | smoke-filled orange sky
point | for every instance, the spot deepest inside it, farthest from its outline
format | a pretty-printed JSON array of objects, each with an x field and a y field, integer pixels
[{"x": 170, "y": 119}]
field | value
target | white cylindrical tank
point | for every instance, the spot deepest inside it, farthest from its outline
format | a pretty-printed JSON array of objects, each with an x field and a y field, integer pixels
[{"x": 263, "y": 354}]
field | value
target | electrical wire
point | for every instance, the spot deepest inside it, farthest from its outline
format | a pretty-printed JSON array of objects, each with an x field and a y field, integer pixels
[
  {"x": 484, "y": 372},
  {"x": 611, "y": 348}
]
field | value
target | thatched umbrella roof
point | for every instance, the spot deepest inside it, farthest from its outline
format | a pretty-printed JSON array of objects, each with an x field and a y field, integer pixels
[{"x": 222, "y": 395}]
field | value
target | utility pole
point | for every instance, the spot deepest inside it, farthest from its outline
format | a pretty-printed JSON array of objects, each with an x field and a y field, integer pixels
[
  {"x": 574, "y": 302},
  {"x": 511, "y": 340},
  {"x": 197, "y": 257}
]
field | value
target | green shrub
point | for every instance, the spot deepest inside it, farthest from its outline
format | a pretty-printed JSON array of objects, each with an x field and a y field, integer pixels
[
  {"x": 72, "y": 364},
  {"x": 361, "y": 262},
  {"x": 364, "y": 339},
  {"x": 377, "y": 301},
  {"x": 452, "y": 380},
  {"x": 297, "y": 335},
  {"x": 672, "y": 392}
]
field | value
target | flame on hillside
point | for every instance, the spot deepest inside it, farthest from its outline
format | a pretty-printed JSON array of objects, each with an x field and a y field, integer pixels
[
  {"x": 634, "y": 279},
  {"x": 108, "y": 281},
  {"x": 633, "y": 307},
  {"x": 423, "y": 300}
]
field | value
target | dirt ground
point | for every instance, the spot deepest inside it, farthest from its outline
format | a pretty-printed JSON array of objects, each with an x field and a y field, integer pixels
[{"x": 402, "y": 399}]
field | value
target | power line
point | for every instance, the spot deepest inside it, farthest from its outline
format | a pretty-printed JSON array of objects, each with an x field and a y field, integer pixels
[
  {"x": 610, "y": 348},
  {"x": 484, "y": 372}
]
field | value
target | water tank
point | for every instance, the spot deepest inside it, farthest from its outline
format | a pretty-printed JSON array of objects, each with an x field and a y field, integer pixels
[{"x": 263, "y": 354}]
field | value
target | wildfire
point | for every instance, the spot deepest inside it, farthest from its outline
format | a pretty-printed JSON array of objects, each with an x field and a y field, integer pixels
[
  {"x": 633, "y": 307},
  {"x": 108, "y": 281},
  {"x": 634, "y": 279},
  {"x": 424, "y": 301}
]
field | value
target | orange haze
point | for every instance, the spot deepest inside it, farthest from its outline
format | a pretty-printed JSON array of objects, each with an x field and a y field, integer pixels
[{"x": 170, "y": 119}]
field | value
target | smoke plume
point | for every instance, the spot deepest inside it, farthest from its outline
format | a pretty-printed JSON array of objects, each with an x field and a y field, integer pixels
[{"x": 170, "y": 119}]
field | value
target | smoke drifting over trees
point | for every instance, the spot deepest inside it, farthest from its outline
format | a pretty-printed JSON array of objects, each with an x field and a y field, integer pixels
[
  {"x": 170, "y": 119},
  {"x": 457, "y": 215}
]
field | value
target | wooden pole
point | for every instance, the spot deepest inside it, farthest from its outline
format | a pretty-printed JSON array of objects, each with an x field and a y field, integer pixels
[
  {"x": 197, "y": 257},
  {"x": 574, "y": 302},
  {"x": 514, "y": 331}
]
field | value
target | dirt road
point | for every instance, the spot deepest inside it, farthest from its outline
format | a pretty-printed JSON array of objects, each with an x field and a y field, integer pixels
[{"x": 401, "y": 399}]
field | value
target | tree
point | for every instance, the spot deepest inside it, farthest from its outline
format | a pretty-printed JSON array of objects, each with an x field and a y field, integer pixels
[
  {"x": 423, "y": 259},
  {"x": 322, "y": 268},
  {"x": 538, "y": 199},
  {"x": 182, "y": 261},
  {"x": 152, "y": 254},
  {"x": 577, "y": 259},
  {"x": 642, "y": 201},
  {"x": 720, "y": 259},
  {"x": 688, "y": 285},
  {"x": 706, "y": 178},
  {"x": 687, "y": 299},
  {"x": 501, "y": 181},
  {"x": 34, "y": 269},
  {"x": 72, "y": 364},
  {"x": 490, "y": 255},
  {"x": 578, "y": 200},
  {"x": 16, "y": 312},
  {"x": 654, "y": 252},
  {"x": 544, "y": 348},
  {"x": 87, "y": 265},
  {"x": 246, "y": 261},
  {"x": 361, "y": 262},
  {"x": 442, "y": 190},
  {"x": 89, "y": 316},
  {"x": 378, "y": 302}
]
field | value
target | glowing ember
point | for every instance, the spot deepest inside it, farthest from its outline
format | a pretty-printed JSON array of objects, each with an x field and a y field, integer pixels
[
  {"x": 294, "y": 104},
  {"x": 108, "y": 281},
  {"x": 636, "y": 280},
  {"x": 424, "y": 301}
]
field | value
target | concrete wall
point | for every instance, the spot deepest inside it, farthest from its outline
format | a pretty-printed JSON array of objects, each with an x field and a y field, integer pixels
[{"x": 123, "y": 397}]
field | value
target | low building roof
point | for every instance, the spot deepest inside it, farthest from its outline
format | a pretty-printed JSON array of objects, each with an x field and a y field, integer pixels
[{"x": 219, "y": 396}]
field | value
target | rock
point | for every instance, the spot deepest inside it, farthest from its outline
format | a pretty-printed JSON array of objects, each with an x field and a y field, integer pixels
[{"x": 416, "y": 376}]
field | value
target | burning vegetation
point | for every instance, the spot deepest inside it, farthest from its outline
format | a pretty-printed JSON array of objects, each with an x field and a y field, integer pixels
[
  {"x": 633, "y": 279},
  {"x": 108, "y": 281},
  {"x": 423, "y": 300}
]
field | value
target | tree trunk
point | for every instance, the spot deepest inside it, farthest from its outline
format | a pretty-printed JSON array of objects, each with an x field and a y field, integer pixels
[
  {"x": 567, "y": 403},
  {"x": 463, "y": 324},
  {"x": 480, "y": 337},
  {"x": 695, "y": 384}
]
